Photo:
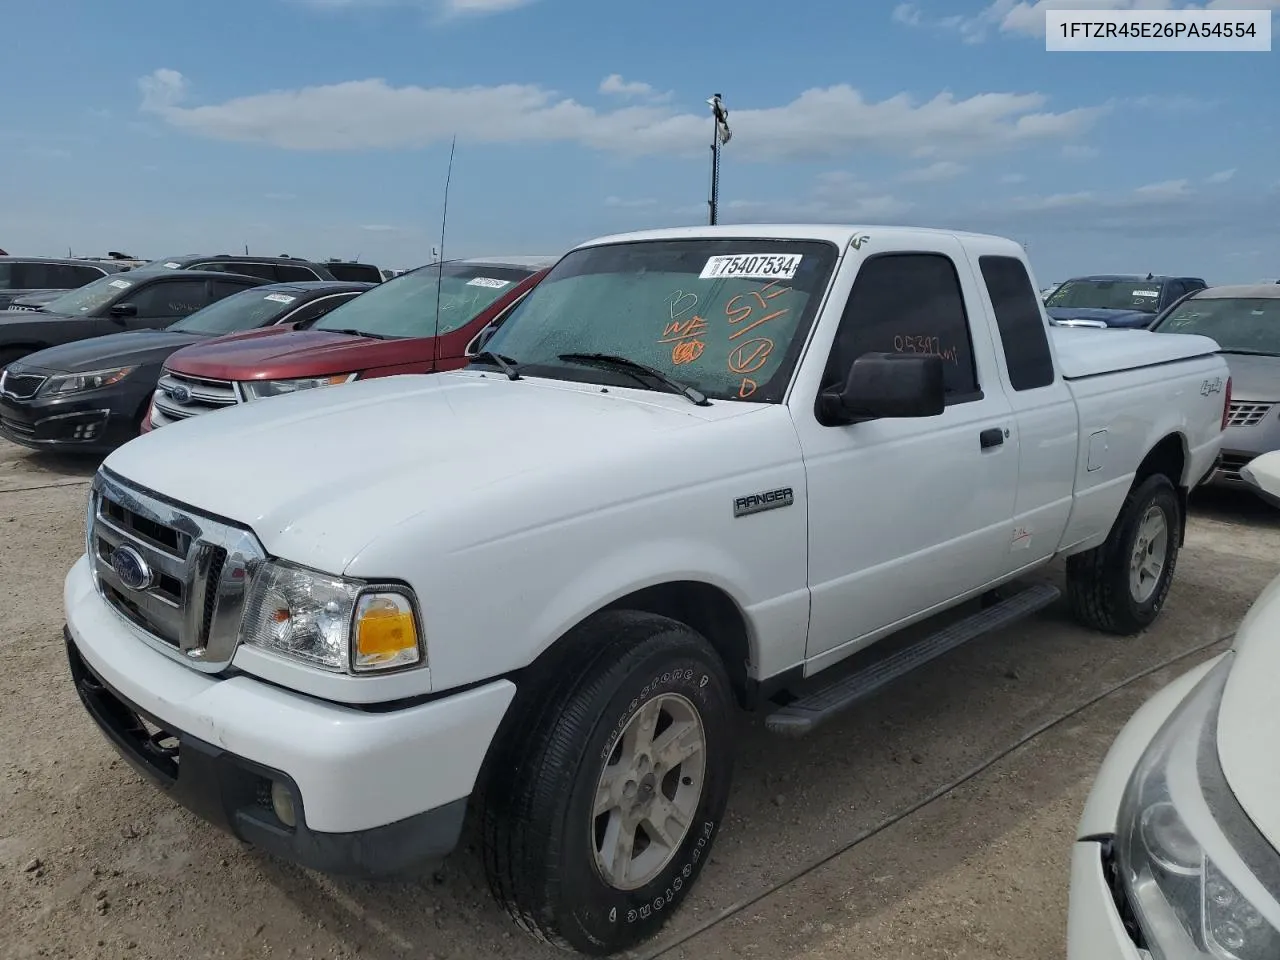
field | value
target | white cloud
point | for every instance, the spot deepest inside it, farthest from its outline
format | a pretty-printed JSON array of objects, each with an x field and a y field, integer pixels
[
  {"x": 381, "y": 228},
  {"x": 1165, "y": 189},
  {"x": 630, "y": 203},
  {"x": 1222, "y": 176},
  {"x": 615, "y": 86},
  {"x": 1014, "y": 178},
  {"x": 1028, "y": 19},
  {"x": 1075, "y": 151},
  {"x": 820, "y": 122},
  {"x": 834, "y": 197},
  {"x": 942, "y": 170}
]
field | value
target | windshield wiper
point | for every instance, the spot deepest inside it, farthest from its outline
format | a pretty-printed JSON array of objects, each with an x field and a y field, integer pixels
[
  {"x": 363, "y": 333},
  {"x": 504, "y": 363},
  {"x": 637, "y": 370}
]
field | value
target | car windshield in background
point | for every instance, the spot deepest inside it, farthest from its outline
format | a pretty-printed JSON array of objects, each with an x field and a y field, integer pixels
[
  {"x": 1141, "y": 295},
  {"x": 727, "y": 317},
  {"x": 406, "y": 305},
  {"x": 92, "y": 296},
  {"x": 240, "y": 311},
  {"x": 1239, "y": 325}
]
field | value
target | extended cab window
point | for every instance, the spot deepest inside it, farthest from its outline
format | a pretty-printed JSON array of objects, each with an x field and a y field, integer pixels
[
  {"x": 1020, "y": 322},
  {"x": 907, "y": 303}
]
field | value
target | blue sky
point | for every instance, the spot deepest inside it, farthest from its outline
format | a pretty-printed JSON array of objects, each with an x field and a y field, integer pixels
[{"x": 321, "y": 128}]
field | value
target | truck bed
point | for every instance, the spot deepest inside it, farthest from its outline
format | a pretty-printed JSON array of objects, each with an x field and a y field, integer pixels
[{"x": 1090, "y": 352}]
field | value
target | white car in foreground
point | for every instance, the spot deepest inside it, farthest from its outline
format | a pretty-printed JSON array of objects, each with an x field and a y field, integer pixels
[{"x": 1178, "y": 856}]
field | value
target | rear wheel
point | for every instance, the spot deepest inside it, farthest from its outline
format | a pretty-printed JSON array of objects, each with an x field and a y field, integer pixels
[
  {"x": 1120, "y": 587},
  {"x": 609, "y": 793}
]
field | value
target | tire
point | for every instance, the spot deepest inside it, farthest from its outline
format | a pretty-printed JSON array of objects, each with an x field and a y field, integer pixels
[
  {"x": 1099, "y": 585},
  {"x": 538, "y": 832}
]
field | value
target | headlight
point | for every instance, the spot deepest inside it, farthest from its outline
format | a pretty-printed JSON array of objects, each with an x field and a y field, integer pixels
[
  {"x": 79, "y": 382},
  {"x": 331, "y": 622},
  {"x": 1197, "y": 869},
  {"x": 261, "y": 389}
]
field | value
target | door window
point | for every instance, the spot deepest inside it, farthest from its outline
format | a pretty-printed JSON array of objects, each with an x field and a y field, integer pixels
[
  {"x": 907, "y": 303},
  {"x": 170, "y": 298},
  {"x": 288, "y": 273},
  {"x": 1020, "y": 322}
]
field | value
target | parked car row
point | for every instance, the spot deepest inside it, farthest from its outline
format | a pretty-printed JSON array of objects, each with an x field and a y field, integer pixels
[
  {"x": 81, "y": 372},
  {"x": 43, "y": 278}
]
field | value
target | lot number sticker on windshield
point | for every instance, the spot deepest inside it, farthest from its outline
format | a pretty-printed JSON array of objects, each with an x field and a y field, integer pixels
[
  {"x": 1146, "y": 293},
  {"x": 120, "y": 284},
  {"x": 173, "y": 266},
  {"x": 489, "y": 282},
  {"x": 279, "y": 298},
  {"x": 752, "y": 266}
]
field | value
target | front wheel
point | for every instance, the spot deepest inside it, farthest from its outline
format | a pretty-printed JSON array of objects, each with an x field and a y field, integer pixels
[
  {"x": 1120, "y": 587},
  {"x": 616, "y": 787}
]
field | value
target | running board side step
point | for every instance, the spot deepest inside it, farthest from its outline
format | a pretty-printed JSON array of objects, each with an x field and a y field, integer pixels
[{"x": 807, "y": 714}]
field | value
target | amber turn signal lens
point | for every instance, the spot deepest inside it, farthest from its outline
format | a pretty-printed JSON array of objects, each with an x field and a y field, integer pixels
[{"x": 386, "y": 633}]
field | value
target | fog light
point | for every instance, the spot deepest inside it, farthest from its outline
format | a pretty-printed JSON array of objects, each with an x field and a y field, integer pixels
[{"x": 282, "y": 804}]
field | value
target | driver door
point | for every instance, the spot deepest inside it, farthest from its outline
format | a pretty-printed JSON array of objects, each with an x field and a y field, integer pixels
[{"x": 907, "y": 514}]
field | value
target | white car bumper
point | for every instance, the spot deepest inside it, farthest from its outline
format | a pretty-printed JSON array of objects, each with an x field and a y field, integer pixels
[
  {"x": 1095, "y": 930},
  {"x": 375, "y": 793}
]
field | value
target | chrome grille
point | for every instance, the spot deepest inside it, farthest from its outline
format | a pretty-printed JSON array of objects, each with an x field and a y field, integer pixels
[
  {"x": 1247, "y": 414},
  {"x": 179, "y": 396},
  {"x": 20, "y": 386},
  {"x": 201, "y": 570}
]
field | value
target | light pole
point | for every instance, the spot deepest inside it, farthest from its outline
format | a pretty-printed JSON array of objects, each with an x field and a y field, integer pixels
[{"x": 720, "y": 135}]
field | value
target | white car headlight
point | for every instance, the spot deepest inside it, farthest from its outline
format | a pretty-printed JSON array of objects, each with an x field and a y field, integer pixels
[
  {"x": 1202, "y": 879},
  {"x": 80, "y": 382},
  {"x": 342, "y": 625},
  {"x": 261, "y": 389}
]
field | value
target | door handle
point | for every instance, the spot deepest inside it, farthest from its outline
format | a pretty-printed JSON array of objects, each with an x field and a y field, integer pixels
[{"x": 991, "y": 437}]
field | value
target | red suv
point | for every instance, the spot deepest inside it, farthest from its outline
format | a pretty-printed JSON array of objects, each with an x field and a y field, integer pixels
[{"x": 424, "y": 321}]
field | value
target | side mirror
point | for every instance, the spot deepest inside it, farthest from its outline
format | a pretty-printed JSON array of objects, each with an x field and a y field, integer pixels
[
  {"x": 122, "y": 310},
  {"x": 885, "y": 385}
]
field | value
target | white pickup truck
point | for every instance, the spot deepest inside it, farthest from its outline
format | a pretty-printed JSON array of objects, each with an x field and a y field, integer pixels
[{"x": 690, "y": 472}]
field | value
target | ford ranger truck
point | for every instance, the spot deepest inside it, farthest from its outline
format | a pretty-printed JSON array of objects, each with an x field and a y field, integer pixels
[
  {"x": 691, "y": 472},
  {"x": 422, "y": 321}
]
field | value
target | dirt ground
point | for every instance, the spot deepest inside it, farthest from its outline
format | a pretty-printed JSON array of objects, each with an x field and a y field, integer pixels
[{"x": 96, "y": 863}]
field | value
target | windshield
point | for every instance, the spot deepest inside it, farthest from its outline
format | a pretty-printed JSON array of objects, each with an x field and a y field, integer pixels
[
  {"x": 247, "y": 310},
  {"x": 1141, "y": 295},
  {"x": 1239, "y": 325},
  {"x": 728, "y": 317},
  {"x": 406, "y": 305},
  {"x": 92, "y": 296}
]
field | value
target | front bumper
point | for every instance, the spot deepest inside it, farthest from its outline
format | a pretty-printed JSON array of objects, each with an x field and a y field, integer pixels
[
  {"x": 94, "y": 422},
  {"x": 377, "y": 792}
]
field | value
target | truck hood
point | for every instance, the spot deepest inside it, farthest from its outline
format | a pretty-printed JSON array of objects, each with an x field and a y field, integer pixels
[
  {"x": 320, "y": 474},
  {"x": 276, "y": 353},
  {"x": 1112, "y": 318},
  {"x": 139, "y": 347},
  {"x": 1254, "y": 379}
]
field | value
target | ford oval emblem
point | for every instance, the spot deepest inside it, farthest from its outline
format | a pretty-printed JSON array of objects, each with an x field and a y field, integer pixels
[
  {"x": 131, "y": 568},
  {"x": 180, "y": 393}
]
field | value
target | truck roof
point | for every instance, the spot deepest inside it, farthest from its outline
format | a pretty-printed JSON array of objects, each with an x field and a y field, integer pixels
[{"x": 839, "y": 234}]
